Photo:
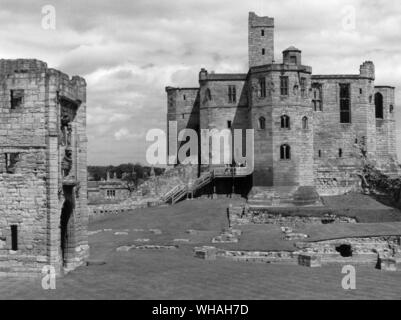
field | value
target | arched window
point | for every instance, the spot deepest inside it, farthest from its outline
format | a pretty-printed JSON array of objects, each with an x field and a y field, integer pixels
[
  {"x": 379, "y": 105},
  {"x": 285, "y": 152},
  {"x": 285, "y": 121},
  {"x": 305, "y": 122},
  {"x": 317, "y": 96},
  {"x": 262, "y": 123}
]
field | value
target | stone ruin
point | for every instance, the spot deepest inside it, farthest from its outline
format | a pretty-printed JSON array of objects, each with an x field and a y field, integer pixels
[{"x": 43, "y": 177}]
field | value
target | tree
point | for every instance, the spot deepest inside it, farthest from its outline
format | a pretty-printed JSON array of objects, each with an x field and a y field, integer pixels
[{"x": 131, "y": 181}]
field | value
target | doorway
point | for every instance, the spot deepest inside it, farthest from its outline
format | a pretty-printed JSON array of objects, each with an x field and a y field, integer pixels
[{"x": 66, "y": 225}]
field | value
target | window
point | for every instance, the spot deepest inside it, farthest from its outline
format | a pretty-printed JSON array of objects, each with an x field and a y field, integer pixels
[
  {"x": 17, "y": 98},
  {"x": 360, "y": 90},
  {"x": 285, "y": 152},
  {"x": 262, "y": 33},
  {"x": 232, "y": 94},
  {"x": 317, "y": 96},
  {"x": 229, "y": 124},
  {"x": 379, "y": 105},
  {"x": 391, "y": 108},
  {"x": 303, "y": 87},
  {"x": 293, "y": 59},
  {"x": 320, "y": 153},
  {"x": 111, "y": 193},
  {"x": 262, "y": 123},
  {"x": 208, "y": 95},
  {"x": 262, "y": 87},
  {"x": 184, "y": 97},
  {"x": 345, "y": 106},
  {"x": 284, "y": 86},
  {"x": 183, "y": 115},
  {"x": 305, "y": 123},
  {"x": 340, "y": 153},
  {"x": 11, "y": 160},
  {"x": 263, "y": 51},
  {"x": 285, "y": 121},
  {"x": 14, "y": 237}
]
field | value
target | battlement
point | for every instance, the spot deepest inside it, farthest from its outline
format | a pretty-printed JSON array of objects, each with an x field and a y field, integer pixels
[
  {"x": 257, "y": 21},
  {"x": 10, "y": 66},
  {"x": 367, "y": 69}
]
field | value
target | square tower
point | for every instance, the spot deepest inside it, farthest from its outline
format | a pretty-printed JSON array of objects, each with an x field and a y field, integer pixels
[
  {"x": 260, "y": 40},
  {"x": 43, "y": 177}
]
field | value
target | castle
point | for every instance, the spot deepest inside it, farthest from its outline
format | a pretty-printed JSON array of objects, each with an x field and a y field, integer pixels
[
  {"x": 306, "y": 126},
  {"x": 43, "y": 177}
]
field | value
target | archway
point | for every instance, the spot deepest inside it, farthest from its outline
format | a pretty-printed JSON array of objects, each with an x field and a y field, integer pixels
[{"x": 66, "y": 225}]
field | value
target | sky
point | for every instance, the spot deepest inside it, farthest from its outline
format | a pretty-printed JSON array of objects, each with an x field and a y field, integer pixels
[{"x": 130, "y": 50}]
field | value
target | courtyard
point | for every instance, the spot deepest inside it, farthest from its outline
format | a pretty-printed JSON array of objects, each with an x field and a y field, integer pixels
[{"x": 172, "y": 272}]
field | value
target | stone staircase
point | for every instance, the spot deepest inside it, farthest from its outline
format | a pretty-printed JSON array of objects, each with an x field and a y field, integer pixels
[{"x": 182, "y": 190}]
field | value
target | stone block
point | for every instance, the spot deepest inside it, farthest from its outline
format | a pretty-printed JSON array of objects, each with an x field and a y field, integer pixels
[
  {"x": 309, "y": 260},
  {"x": 205, "y": 252},
  {"x": 387, "y": 264}
]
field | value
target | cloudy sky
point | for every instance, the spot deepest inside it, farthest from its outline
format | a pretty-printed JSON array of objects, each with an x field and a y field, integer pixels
[{"x": 128, "y": 51}]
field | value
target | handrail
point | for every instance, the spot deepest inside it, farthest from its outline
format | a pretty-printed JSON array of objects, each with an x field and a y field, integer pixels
[
  {"x": 171, "y": 192},
  {"x": 179, "y": 194}
]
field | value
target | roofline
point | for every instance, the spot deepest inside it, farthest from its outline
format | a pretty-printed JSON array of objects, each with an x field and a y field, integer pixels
[
  {"x": 168, "y": 88},
  {"x": 226, "y": 77},
  {"x": 390, "y": 87},
  {"x": 291, "y": 50},
  {"x": 340, "y": 76}
]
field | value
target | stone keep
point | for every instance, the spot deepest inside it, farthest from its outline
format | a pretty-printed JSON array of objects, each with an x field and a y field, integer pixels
[
  {"x": 308, "y": 128},
  {"x": 43, "y": 176}
]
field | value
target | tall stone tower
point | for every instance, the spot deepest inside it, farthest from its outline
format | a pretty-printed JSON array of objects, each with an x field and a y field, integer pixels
[
  {"x": 43, "y": 176},
  {"x": 260, "y": 40}
]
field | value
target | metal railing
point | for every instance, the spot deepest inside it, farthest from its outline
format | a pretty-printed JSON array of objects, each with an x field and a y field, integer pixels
[{"x": 231, "y": 171}]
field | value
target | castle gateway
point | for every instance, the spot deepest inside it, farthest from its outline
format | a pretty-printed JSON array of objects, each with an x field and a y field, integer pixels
[{"x": 309, "y": 129}]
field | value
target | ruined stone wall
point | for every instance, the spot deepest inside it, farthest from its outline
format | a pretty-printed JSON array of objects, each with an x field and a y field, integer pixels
[
  {"x": 386, "y": 151},
  {"x": 30, "y": 170},
  {"x": 74, "y": 90},
  {"x": 335, "y": 153},
  {"x": 23, "y": 188}
]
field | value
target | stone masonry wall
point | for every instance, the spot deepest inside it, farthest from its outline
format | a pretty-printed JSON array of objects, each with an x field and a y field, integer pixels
[{"x": 30, "y": 172}]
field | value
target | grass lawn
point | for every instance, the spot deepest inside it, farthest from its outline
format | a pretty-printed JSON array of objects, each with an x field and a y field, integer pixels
[
  {"x": 363, "y": 208},
  {"x": 177, "y": 274}
]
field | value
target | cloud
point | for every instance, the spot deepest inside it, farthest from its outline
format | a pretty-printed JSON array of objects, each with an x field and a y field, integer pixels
[
  {"x": 125, "y": 134},
  {"x": 128, "y": 51}
]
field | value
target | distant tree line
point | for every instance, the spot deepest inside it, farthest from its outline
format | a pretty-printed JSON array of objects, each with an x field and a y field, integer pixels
[{"x": 132, "y": 174}]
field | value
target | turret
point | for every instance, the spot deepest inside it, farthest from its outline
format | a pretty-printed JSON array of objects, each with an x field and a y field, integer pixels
[
  {"x": 367, "y": 69},
  {"x": 292, "y": 55}
]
